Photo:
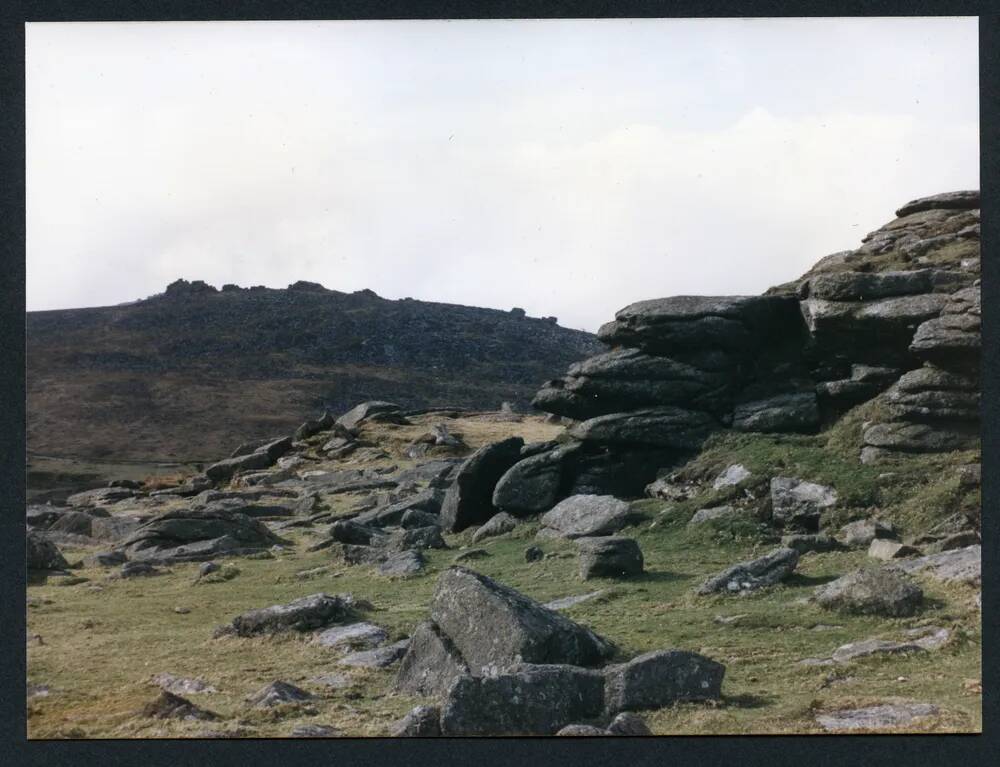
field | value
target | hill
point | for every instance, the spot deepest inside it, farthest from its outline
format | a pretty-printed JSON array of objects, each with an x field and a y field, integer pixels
[{"x": 187, "y": 374}]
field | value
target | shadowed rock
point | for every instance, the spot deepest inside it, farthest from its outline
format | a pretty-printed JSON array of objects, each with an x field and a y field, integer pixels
[{"x": 469, "y": 500}]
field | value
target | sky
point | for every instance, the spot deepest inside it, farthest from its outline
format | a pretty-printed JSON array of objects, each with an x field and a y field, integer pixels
[{"x": 566, "y": 167}]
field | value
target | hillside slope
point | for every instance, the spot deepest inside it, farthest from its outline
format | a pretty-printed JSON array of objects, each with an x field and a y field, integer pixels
[{"x": 186, "y": 374}]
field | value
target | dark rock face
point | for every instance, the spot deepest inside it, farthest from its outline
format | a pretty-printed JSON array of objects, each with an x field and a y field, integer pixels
[
  {"x": 660, "y": 678},
  {"x": 532, "y": 700},
  {"x": 662, "y": 427},
  {"x": 42, "y": 554},
  {"x": 609, "y": 557},
  {"x": 190, "y": 535},
  {"x": 469, "y": 500},
  {"x": 797, "y": 412},
  {"x": 872, "y": 591},
  {"x": 756, "y": 574},
  {"x": 304, "y": 614},
  {"x": 534, "y": 484}
]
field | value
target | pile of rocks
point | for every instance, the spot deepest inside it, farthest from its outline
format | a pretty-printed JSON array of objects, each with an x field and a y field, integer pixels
[{"x": 502, "y": 664}]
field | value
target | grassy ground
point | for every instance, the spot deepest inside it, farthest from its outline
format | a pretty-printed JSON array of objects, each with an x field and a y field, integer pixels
[{"x": 102, "y": 639}]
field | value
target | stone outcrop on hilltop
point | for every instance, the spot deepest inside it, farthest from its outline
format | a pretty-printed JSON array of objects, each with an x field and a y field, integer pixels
[{"x": 900, "y": 315}]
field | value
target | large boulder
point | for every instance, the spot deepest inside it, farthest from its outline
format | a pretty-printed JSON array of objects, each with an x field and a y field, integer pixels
[
  {"x": 736, "y": 323},
  {"x": 753, "y": 575},
  {"x": 192, "y": 535},
  {"x": 609, "y": 557},
  {"x": 533, "y": 484},
  {"x": 795, "y": 502},
  {"x": 304, "y": 614},
  {"x": 660, "y": 427},
  {"x": 494, "y": 626},
  {"x": 42, "y": 554},
  {"x": 469, "y": 500},
  {"x": 661, "y": 678},
  {"x": 583, "y": 515},
  {"x": 871, "y": 591},
  {"x": 530, "y": 700}
]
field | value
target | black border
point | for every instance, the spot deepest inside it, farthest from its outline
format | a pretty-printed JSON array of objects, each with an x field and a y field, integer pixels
[{"x": 814, "y": 750}]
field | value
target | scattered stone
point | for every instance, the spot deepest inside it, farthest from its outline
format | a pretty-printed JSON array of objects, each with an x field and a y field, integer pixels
[
  {"x": 583, "y": 515},
  {"x": 884, "y": 717},
  {"x": 402, "y": 564},
  {"x": 419, "y": 722},
  {"x": 380, "y": 657},
  {"x": 661, "y": 678},
  {"x": 567, "y": 602},
  {"x": 354, "y": 635},
  {"x": 332, "y": 680},
  {"x": 798, "y": 503},
  {"x": 869, "y": 647},
  {"x": 180, "y": 685},
  {"x": 753, "y": 575},
  {"x": 957, "y": 565},
  {"x": 531, "y": 700},
  {"x": 885, "y": 550},
  {"x": 170, "y": 706},
  {"x": 860, "y": 534},
  {"x": 871, "y": 591},
  {"x": 305, "y": 614},
  {"x": 929, "y": 637},
  {"x": 533, "y": 554},
  {"x": 279, "y": 693},
  {"x": 498, "y": 524},
  {"x": 609, "y": 557},
  {"x": 732, "y": 476},
  {"x": 105, "y": 559}
]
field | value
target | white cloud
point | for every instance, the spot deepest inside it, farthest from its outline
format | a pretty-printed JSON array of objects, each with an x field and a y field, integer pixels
[{"x": 566, "y": 167}]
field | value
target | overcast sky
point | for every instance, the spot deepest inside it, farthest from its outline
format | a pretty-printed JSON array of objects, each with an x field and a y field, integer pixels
[{"x": 566, "y": 167}]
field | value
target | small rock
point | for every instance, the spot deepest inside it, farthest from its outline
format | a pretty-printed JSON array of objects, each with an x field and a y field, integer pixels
[
  {"x": 869, "y": 647},
  {"x": 402, "y": 564},
  {"x": 170, "y": 706},
  {"x": 419, "y": 722},
  {"x": 756, "y": 574},
  {"x": 581, "y": 731},
  {"x": 609, "y": 557},
  {"x": 876, "y": 717},
  {"x": 278, "y": 693},
  {"x": 884, "y": 549},
  {"x": 661, "y": 678},
  {"x": 465, "y": 556},
  {"x": 533, "y": 554},
  {"x": 566, "y": 602},
  {"x": 732, "y": 476},
  {"x": 179, "y": 685},
  {"x": 628, "y": 724},
  {"x": 707, "y": 515},
  {"x": 354, "y": 635},
  {"x": 380, "y": 657},
  {"x": 871, "y": 591},
  {"x": 498, "y": 524},
  {"x": 586, "y": 515}
]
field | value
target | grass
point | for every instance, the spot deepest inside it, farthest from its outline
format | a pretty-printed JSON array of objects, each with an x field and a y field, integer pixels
[{"x": 103, "y": 639}]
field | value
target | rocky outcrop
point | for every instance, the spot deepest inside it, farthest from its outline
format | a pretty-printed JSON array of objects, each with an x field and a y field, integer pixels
[
  {"x": 191, "y": 535},
  {"x": 680, "y": 368},
  {"x": 469, "y": 500}
]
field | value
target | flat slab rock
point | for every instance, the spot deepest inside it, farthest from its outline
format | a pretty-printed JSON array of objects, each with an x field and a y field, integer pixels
[
  {"x": 278, "y": 693},
  {"x": 957, "y": 565},
  {"x": 305, "y": 614},
  {"x": 753, "y": 575},
  {"x": 660, "y": 678},
  {"x": 885, "y": 717},
  {"x": 352, "y": 636},
  {"x": 583, "y": 515},
  {"x": 379, "y": 657}
]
